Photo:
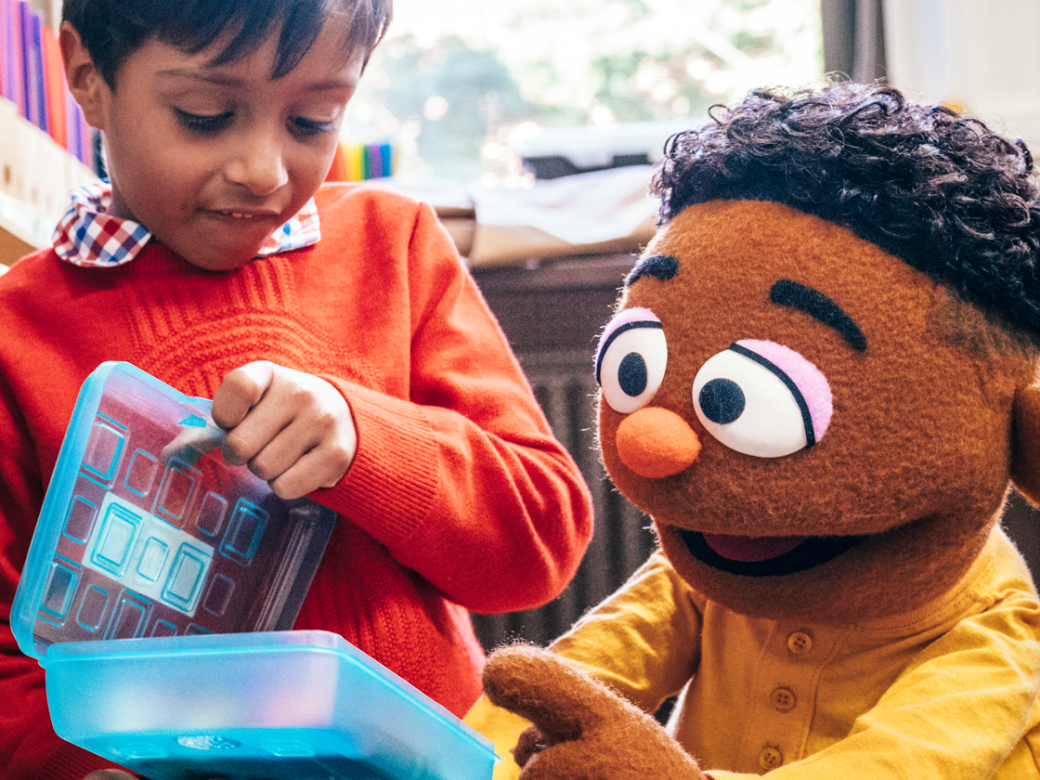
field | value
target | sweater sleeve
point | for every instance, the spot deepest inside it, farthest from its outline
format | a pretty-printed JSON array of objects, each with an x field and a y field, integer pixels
[
  {"x": 463, "y": 481},
  {"x": 29, "y": 748}
]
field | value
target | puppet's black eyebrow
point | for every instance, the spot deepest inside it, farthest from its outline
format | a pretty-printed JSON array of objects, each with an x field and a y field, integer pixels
[
  {"x": 820, "y": 307},
  {"x": 663, "y": 267}
]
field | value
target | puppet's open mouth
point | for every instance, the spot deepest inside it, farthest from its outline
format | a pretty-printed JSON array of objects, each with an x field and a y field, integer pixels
[{"x": 765, "y": 557}]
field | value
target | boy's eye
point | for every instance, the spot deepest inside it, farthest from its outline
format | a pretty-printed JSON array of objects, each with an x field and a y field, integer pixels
[
  {"x": 310, "y": 127},
  {"x": 204, "y": 123}
]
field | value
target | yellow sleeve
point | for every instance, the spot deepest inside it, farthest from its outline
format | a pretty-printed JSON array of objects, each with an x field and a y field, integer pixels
[
  {"x": 503, "y": 728},
  {"x": 643, "y": 641}
]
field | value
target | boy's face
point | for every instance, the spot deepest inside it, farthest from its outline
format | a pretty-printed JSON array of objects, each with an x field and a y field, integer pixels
[{"x": 213, "y": 159}]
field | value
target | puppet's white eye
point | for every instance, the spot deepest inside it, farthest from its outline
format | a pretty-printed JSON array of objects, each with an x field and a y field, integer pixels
[
  {"x": 631, "y": 360},
  {"x": 762, "y": 399}
]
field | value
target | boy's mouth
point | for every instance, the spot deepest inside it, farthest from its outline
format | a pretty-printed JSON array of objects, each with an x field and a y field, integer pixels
[
  {"x": 763, "y": 556},
  {"x": 244, "y": 214},
  {"x": 247, "y": 214}
]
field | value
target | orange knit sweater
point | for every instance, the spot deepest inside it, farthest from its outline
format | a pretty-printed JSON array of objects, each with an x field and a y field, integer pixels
[{"x": 459, "y": 498}]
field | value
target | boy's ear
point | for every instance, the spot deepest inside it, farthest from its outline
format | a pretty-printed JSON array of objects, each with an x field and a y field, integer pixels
[
  {"x": 1025, "y": 452},
  {"x": 85, "y": 82}
]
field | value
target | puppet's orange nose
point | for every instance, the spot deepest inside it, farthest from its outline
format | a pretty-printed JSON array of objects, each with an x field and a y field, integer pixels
[{"x": 655, "y": 442}]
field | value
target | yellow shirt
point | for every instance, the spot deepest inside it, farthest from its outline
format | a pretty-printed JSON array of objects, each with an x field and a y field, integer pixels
[{"x": 948, "y": 691}]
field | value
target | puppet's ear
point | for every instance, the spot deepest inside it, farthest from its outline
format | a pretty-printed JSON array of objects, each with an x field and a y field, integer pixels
[{"x": 1025, "y": 454}]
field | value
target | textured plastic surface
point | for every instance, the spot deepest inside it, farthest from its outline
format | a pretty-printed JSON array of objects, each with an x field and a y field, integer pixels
[
  {"x": 146, "y": 531},
  {"x": 280, "y": 705}
]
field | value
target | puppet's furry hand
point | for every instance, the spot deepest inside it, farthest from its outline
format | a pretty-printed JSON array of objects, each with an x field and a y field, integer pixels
[{"x": 582, "y": 729}]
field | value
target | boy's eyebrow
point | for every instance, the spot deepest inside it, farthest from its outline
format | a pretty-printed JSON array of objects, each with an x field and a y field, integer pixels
[
  {"x": 222, "y": 79},
  {"x": 818, "y": 306}
]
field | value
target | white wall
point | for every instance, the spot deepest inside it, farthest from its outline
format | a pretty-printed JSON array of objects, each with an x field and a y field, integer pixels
[{"x": 980, "y": 55}]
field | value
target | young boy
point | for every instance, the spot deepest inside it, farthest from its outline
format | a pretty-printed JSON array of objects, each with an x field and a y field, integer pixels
[{"x": 348, "y": 354}]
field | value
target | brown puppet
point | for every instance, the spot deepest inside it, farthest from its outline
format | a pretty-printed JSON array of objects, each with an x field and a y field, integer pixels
[{"x": 820, "y": 384}]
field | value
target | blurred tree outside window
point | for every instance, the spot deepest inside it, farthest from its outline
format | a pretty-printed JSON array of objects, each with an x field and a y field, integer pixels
[{"x": 458, "y": 85}]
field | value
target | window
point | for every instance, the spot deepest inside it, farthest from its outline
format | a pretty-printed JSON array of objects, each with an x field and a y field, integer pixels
[{"x": 459, "y": 86}]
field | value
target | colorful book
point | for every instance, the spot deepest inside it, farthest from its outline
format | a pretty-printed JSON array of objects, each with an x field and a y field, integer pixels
[
  {"x": 56, "y": 88},
  {"x": 11, "y": 52},
  {"x": 31, "y": 64},
  {"x": 73, "y": 128}
]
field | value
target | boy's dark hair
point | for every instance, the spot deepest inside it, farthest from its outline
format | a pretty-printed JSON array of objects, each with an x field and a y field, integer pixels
[
  {"x": 939, "y": 190},
  {"x": 112, "y": 30}
]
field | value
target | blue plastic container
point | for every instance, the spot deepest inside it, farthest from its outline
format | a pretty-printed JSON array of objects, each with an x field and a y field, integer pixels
[
  {"x": 156, "y": 591},
  {"x": 287, "y": 705}
]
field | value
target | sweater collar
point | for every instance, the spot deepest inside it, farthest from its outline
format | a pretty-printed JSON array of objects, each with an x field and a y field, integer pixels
[{"x": 88, "y": 236}]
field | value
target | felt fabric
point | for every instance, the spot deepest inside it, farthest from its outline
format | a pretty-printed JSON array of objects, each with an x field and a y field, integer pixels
[
  {"x": 1025, "y": 465},
  {"x": 579, "y": 736},
  {"x": 887, "y": 699},
  {"x": 798, "y": 296},
  {"x": 916, "y": 454},
  {"x": 656, "y": 443},
  {"x": 459, "y": 497}
]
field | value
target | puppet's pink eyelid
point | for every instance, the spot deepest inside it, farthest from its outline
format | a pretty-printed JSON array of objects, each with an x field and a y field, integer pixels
[
  {"x": 811, "y": 383},
  {"x": 627, "y": 319}
]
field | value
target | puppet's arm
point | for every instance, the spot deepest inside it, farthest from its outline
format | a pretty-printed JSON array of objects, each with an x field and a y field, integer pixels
[
  {"x": 643, "y": 643},
  {"x": 959, "y": 710},
  {"x": 582, "y": 729}
]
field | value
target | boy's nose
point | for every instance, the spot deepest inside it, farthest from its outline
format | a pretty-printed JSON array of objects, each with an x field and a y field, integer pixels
[{"x": 259, "y": 165}]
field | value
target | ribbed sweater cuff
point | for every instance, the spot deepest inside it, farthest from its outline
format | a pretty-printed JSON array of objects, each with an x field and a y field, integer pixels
[
  {"x": 391, "y": 484},
  {"x": 72, "y": 763}
]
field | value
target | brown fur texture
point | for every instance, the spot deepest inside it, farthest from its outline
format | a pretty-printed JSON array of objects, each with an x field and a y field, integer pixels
[
  {"x": 916, "y": 457},
  {"x": 581, "y": 723}
]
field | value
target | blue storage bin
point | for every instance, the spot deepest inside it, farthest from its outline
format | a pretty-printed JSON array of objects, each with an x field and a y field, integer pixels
[
  {"x": 286, "y": 705},
  {"x": 156, "y": 594}
]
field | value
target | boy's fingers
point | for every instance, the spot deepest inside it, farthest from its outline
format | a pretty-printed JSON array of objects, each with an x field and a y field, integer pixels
[
  {"x": 316, "y": 469},
  {"x": 240, "y": 391},
  {"x": 562, "y": 701}
]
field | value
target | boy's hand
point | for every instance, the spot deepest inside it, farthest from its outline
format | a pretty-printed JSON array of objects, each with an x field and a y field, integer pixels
[{"x": 294, "y": 430}]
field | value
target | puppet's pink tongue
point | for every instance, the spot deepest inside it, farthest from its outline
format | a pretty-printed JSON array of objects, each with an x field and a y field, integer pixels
[{"x": 749, "y": 549}]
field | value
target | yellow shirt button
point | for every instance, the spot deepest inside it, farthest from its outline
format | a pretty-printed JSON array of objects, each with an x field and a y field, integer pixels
[
  {"x": 782, "y": 699},
  {"x": 770, "y": 757},
  {"x": 799, "y": 643}
]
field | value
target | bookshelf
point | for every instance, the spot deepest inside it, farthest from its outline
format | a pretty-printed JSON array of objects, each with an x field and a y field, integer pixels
[{"x": 45, "y": 147}]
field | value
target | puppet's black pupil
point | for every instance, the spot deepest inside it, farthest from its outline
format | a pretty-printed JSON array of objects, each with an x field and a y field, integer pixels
[
  {"x": 632, "y": 374},
  {"x": 722, "y": 401}
]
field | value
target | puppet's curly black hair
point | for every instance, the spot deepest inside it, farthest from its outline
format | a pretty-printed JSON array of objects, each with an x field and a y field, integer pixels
[{"x": 937, "y": 189}]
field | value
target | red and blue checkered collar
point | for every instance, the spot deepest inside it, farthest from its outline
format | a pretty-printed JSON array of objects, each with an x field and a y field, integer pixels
[{"x": 88, "y": 236}]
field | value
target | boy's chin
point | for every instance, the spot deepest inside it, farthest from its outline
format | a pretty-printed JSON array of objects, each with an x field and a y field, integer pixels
[
  {"x": 223, "y": 262},
  {"x": 216, "y": 258}
]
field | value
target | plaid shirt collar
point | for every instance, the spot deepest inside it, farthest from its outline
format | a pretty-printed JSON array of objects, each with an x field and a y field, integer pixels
[{"x": 88, "y": 236}]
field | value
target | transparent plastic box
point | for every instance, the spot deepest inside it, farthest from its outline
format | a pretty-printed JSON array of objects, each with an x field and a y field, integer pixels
[
  {"x": 287, "y": 705},
  {"x": 146, "y": 531},
  {"x": 157, "y": 592}
]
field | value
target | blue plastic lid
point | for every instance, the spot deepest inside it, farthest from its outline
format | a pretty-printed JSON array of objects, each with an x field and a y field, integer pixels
[{"x": 145, "y": 531}]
